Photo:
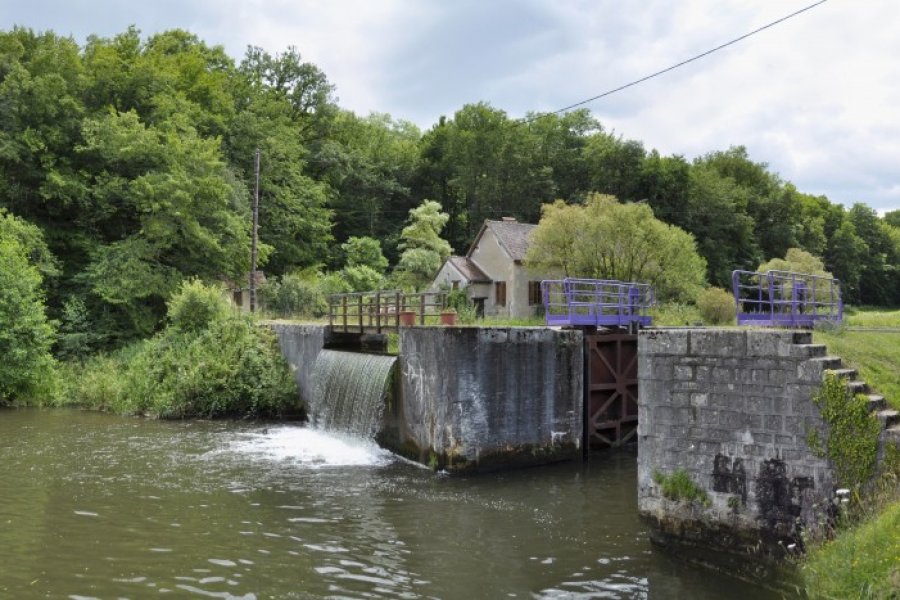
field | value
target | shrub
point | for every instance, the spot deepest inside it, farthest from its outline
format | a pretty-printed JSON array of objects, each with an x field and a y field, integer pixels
[
  {"x": 207, "y": 363},
  {"x": 232, "y": 368},
  {"x": 716, "y": 306},
  {"x": 27, "y": 370},
  {"x": 295, "y": 294},
  {"x": 195, "y": 305}
]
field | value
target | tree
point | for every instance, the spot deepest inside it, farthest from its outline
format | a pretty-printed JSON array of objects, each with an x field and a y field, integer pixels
[
  {"x": 364, "y": 252},
  {"x": 892, "y": 217},
  {"x": 27, "y": 368},
  {"x": 844, "y": 256},
  {"x": 605, "y": 239},
  {"x": 423, "y": 248},
  {"x": 796, "y": 261},
  {"x": 364, "y": 264}
]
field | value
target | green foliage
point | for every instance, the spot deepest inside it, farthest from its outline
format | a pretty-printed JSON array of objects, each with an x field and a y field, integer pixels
[
  {"x": 135, "y": 157},
  {"x": 859, "y": 563},
  {"x": 232, "y": 367},
  {"x": 294, "y": 295},
  {"x": 716, "y": 306},
  {"x": 459, "y": 301},
  {"x": 675, "y": 314},
  {"x": 680, "y": 487},
  {"x": 851, "y": 439},
  {"x": 27, "y": 370},
  {"x": 797, "y": 261},
  {"x": 423, "y": 248},
  {"x": 195, "y": 306},
  {"x": 77, "y": 338},
  {"x": 364, "y": 252},
  {"x": 608, "y": 240}
]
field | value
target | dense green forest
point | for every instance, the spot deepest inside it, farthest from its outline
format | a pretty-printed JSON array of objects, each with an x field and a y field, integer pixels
[{"x": 133, "y": 159}]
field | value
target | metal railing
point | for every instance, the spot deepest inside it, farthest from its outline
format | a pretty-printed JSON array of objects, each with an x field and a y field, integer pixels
[
  {"x": 786, "y": 299},
  {"x": 363, "y": 312},
  {"x": 596, "y": 302}
]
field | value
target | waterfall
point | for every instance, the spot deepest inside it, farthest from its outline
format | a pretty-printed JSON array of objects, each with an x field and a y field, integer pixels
[{"x": 349, "y": 391}]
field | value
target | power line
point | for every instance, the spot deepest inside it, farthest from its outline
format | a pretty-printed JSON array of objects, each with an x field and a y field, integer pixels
[{"x": 675, "y": 66}]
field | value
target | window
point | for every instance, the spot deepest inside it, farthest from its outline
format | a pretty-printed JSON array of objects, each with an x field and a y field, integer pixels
[
  {"x": 454, "y": 284},
  {"x": 500, "y": 293},
  {"x": 534, "y": 293}
]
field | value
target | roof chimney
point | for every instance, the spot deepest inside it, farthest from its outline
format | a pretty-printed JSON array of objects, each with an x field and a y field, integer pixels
[{"x": 509, "y": 219}]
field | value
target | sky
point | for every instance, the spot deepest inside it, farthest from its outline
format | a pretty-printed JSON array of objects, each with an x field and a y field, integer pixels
[{"x": 816, "y": 97}]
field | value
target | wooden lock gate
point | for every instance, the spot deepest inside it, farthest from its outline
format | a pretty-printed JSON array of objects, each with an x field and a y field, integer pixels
[{"x": 611, "y": 390}]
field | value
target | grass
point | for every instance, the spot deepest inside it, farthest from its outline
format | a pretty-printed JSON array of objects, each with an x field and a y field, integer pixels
[
  {"x": 862, "y": 562},
  {"x": 675, "y": 314},
  {"x": 873, "y": 317},
  {"x": 680, "y": 487},
  {"x": 875, "y": 354}
]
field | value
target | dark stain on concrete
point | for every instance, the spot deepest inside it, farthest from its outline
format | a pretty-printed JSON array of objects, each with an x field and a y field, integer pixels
[{"x": 729, "y": 476}]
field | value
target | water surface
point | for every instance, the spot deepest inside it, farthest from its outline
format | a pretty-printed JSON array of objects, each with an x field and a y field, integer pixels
[{"x": 98, "y": 506}]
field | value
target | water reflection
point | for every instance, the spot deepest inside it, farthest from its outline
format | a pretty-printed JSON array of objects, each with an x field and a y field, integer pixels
[{"x": 100, "y": 506}]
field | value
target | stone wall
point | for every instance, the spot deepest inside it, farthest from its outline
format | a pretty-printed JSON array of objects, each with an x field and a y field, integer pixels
[
  {"x": 731, "y": 408},
  {"x": 481, "y": 398}
]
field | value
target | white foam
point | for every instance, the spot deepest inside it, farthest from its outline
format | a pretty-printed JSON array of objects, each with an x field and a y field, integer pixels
[{"x": 312, "y": 448}]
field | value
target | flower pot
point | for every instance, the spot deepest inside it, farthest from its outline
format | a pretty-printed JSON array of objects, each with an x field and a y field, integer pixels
[
  {"x": 448, "y": 318},
  {"x": 407, "y": 318}
]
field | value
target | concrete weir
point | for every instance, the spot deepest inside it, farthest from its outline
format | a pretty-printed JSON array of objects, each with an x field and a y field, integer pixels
[
  {"x": 468, "y": 398},
  {"x": 483, "y": 398}
]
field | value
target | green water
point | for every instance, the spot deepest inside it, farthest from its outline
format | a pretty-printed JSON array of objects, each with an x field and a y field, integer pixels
[{"x": 97, "y": 506}]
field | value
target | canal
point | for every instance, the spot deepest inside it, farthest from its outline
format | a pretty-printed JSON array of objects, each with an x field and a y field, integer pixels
[{"x": 99, "y": 506}]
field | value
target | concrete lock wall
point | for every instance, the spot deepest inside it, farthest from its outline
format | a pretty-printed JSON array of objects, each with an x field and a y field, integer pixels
[
  {"x": 732, "y": 409},
  {"x": 481, "y": 398},
  {"x": 300, "y": 345}
]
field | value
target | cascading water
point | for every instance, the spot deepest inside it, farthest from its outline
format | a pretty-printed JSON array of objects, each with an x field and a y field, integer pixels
[{"x": 349, "y": 391}]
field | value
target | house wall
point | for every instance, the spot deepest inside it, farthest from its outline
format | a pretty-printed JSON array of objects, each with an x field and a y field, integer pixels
[
  {"x": 447, "y": 275},
  {"x": 518, "y": 292},
  {"x": 496, "y": 264}
]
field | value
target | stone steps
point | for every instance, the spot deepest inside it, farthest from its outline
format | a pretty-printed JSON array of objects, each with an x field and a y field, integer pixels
[
  {"x": 892, "y": 434},
  {"x": 876, "y": 402},
  {"x": 809, "y": 350},
  {"x": 889, "y": 417},
  {"x": 818, "y": 353},
  {"x": 829, "y": 362}
]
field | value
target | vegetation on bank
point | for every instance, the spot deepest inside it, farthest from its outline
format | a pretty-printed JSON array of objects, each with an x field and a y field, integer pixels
[
  {"x": 208, "y": 362},
  {"x": 874, "y": 352},
  {"x": 862, "y": 558}
]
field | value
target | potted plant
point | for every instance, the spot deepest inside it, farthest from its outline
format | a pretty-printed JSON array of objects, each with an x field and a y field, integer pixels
[
  {"x": 407, "y": 318},
  {"x": 448, "y": 317}
]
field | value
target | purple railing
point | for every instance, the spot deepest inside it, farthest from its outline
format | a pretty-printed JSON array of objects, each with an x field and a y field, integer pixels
[
  {"x": 786, "y": 299},
  {"x": 597, "y": 302}
]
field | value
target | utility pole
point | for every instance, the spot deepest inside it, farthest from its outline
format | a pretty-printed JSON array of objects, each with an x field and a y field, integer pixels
[{"x": 254, "y": 239}]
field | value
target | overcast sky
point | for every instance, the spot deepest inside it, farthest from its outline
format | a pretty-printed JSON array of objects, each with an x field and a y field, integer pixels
[{"x": 816, "y": 97}]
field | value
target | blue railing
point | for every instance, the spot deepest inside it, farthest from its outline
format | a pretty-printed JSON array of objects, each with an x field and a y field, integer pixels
[
  {"x": 786, "y": 299},
  {"x": 596, "y": 302}
]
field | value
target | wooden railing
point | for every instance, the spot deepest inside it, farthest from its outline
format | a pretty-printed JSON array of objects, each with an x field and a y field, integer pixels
[{"x": 366, "y": 312}]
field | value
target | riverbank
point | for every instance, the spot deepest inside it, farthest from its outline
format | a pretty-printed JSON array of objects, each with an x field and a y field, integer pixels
[{"x": 863, "y": 558}]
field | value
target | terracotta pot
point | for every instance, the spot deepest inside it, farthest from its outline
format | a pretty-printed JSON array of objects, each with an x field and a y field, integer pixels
[
  {"x": 407, "y": 318},
  {"x": 448, "y": 318}
]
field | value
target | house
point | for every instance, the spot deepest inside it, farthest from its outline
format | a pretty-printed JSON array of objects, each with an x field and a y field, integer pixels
[
  {"x": 492, "y": 271},
  {"x": 239, "y": 292}
]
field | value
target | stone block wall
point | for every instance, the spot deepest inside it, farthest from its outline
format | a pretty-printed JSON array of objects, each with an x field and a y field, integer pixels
[
  {"x": 732, "y": 408},
  {"x": 475, "y": 398}
]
